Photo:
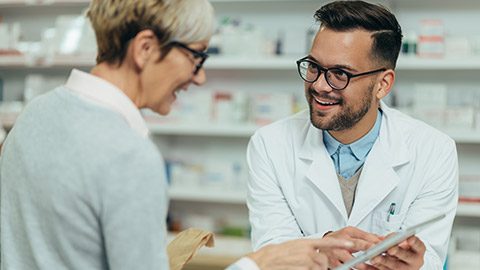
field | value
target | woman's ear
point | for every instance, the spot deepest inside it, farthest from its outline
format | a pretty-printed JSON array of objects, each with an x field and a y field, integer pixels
[
  {"x": 144, "y": 48},
  {"x": 385, "y": 83}
]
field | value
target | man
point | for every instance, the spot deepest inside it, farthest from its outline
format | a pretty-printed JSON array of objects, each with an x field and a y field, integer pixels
[{"x": 350, "y": 160}]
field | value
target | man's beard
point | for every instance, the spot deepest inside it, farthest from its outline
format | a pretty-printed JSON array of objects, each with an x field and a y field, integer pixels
[{"x": 346, "y": 118}]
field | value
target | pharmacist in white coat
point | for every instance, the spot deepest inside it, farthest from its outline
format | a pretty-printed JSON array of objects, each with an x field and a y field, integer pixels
[{"x": 350, "y": 160}]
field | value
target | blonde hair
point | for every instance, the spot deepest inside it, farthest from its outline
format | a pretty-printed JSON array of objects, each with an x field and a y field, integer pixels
[{"x": 116, "y": 22}]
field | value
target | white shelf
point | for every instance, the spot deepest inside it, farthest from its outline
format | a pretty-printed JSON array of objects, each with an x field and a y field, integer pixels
[
  {"x": 221, "y": 196},
  {"x": 22, "y": 61},
  {"x": 206, "y": 195},
  {"x": 247, "y": 130},
  {"x": 468, "y": 210},
  {"x": 464, "y": 136},
  {"x": 20, "y": 3},
  {"x": 415, "y": 63},
  {"x": 192, "y": 129},
  {"x": 253, "y": 63},
  {"x": 244, "y": 63}
]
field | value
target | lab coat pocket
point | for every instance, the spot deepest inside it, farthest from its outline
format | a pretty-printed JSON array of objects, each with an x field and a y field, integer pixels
[{"x": 383, "y": 223}]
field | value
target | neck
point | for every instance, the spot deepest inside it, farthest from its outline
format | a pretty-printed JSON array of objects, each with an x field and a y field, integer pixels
[
  {"x": 122, "y": 77},
  {"x": 359, "y": 130}
]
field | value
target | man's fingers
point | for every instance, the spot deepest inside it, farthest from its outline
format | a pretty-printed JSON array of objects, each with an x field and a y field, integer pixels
[
  {"x": 364, "y": 266},
  {"x": 360, "y": 245},
  {"x": 331, "y": 242},
  {"x": 321, "y": 259},
  {"x": 416, "y": 244},
  {"x": 389, "y": 262},
  {"x": 405, "y": 255},
  {"x": 359, "y": 234}
]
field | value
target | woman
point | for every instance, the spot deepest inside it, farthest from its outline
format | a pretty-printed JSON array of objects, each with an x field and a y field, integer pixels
[{"x": 82, "y": 184}]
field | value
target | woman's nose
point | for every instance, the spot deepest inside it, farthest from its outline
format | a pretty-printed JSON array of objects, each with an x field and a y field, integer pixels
[{"x": 200, "y": 78}]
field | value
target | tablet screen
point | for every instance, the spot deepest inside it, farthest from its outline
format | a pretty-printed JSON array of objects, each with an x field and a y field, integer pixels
[{"x": 388, "y": 243}]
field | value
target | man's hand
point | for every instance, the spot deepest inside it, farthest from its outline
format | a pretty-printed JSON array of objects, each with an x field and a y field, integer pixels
[
  {"x": 406, "y": 256},
  {"x": 303, "y": 253},
  {"x": 338, "y": 256}
]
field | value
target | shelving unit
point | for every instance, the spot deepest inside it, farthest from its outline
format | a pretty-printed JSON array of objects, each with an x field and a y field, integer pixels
[
  {"x": 39, "y": 3},
  {"x": 195, "y": 129},
  {"x": 273, "y": 74},
  {"x": 247, "y": 130},
  {"x": 468, "y": 210},
  {"x": 206, "y": 195},
  {"x": 243, "y": 63}
]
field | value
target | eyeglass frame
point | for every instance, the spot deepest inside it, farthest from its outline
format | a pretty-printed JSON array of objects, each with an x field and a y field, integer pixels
[
  {"x": 196, "y": 54},
  {"x": 325, "y": 71}
]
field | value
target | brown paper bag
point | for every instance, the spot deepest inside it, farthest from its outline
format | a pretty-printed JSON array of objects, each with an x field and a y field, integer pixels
[{"x": 186, "y": 244}]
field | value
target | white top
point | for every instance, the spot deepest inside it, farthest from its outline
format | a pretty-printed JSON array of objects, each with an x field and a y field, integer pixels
[{"x": 100, "y": 92}]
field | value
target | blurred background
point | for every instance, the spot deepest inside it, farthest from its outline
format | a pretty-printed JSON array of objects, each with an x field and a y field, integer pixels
[{"x": 252, "y": 81}]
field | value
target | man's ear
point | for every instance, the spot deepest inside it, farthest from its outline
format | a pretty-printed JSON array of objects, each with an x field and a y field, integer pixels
[
  {"x": 143, "y": 48},
  {"x": 385, "y": 83}
]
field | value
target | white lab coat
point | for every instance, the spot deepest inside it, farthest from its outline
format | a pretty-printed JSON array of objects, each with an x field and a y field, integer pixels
[{"x": 294, "y": 192}]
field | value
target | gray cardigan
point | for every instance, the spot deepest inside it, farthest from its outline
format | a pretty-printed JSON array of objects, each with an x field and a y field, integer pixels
[{"x": 80, "y": 190}]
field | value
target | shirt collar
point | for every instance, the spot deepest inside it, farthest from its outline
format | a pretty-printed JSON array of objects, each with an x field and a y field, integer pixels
[
  {"x": 100, "y": 92},
  {"x": 359, "y": 148}
]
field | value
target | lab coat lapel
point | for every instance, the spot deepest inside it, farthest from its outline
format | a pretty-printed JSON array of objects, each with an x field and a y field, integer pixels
[
  {"x": 378, "y": 177},
  {"x": 321, "y": 171}
]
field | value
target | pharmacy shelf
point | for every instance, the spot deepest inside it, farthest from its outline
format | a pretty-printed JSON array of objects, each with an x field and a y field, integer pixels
[
  {"x": 206, "y": 195},
  {"x": 252, "y": 63},
  {"x": 460, "y": 63},
  {"x": 289, "y": 63},
  {"x": 464, "y": 136},
  {"x": 22, "y": 61},
  {"x": 246, "y": 63},
  {"x": 247, "y": 130},
  {"x": 36, "y": 3},
  {"x": 195, "y": 129},
  {"x": 468, "y": 210}
]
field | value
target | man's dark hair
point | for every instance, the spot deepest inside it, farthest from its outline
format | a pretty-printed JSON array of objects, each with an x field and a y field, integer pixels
[{"x": 377, "y": 19}]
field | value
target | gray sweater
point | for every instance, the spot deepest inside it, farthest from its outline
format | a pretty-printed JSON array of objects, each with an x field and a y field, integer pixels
[{"x": 80, "y": 190}]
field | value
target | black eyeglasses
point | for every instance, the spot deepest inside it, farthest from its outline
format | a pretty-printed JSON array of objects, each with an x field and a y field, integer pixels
[
  {"x": 196, "y": 55},
  {"x": 337, "y": 78}
]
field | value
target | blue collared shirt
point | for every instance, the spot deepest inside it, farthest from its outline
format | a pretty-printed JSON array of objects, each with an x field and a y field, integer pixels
[{"x": 348, "y": 159}]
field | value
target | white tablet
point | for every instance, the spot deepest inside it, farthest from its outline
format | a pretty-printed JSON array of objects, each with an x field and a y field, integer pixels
[{"x": 388, "y": 243}]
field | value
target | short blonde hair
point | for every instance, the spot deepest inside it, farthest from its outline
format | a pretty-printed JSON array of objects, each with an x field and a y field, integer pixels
[{"x": 116, "y": 22}]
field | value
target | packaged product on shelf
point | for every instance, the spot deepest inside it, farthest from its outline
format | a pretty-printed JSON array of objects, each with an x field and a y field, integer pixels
[
  {"x": 431, "y": 39},
  {"x": 222, "y": 108},
  {"x": 253, "y": 41},
  {"x": 269, "y": 107},
  {"x": 9, "y": 112},
  {"x": 203, "y": 222},
  {"x": 37, "y": 84},
  {"x": 1, "y": 89},
  {"x": 429, "y": 103},
  {"x": 184, "y": 175},
  {"x": 475, "y": 43},
  {"x": 459, "y": 118},
  {"x": 458, "y": 47},
  {"x": 230, "y": 35},
  {"x": 5, "y": 40},
  {"x": 469, "y": 188},
  {"x": 240, "y": 105},
  {"x": 192, "y": 106},
  {"x": 477, "y": 120},
  {"x": 218, "y": 175},
  {"x": 409, "y": 44},
  {"x": 294, "y": 41},
  {"x": 464, "y": 251}
]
